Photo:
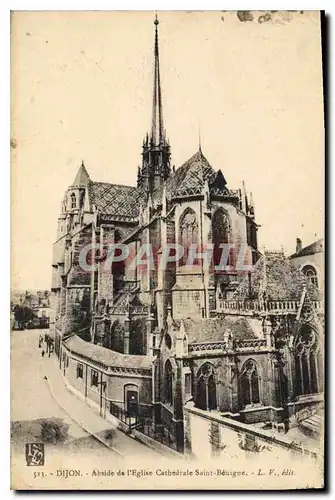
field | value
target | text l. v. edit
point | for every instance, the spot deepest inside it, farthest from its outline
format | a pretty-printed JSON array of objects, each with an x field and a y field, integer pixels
[{"x": 276, "y": 472}]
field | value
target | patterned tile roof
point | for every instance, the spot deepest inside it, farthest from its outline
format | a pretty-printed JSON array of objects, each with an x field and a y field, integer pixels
[
  {"x": 116, "y": 199},
  {"x": 315, "y": 247},
  {"x": 213, "y": 329},
  {"x": 106, "y": 356},
  {"x": 124, "y": 201},
  {"x": 190, "y": 176},
  {"x": 189, "y": 179}
]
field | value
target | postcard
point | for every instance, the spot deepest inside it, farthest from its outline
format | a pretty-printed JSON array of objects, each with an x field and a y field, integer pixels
[{"x": 167, "y": 294}]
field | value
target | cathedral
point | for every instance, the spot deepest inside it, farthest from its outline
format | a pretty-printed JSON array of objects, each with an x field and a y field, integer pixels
[{"x": 140, "y": 342}]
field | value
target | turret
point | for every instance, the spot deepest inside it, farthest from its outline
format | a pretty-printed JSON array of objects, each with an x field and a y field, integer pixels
[{"x": 73, "y": 202}]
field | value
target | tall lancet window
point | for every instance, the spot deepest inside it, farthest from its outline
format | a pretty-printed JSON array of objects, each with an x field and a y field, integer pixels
[
  {"x": 188, "y": 226},
  {"x": 206, "y": 388},
  {"x": 308, "y": 363},
  {"x": 220, "y": 235},
  {"x": 73, "y": 201},
  {"x": 168, "y": 376},
  {"x": 250, "y": 384},
  {"x": 116, "y": 341}
]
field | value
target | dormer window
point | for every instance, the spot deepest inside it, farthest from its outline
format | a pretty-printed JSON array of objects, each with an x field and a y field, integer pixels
[{"x": 73, "y": 201}]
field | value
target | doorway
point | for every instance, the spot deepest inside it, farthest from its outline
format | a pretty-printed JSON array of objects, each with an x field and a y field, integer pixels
[{"x": 132, "y": 403}]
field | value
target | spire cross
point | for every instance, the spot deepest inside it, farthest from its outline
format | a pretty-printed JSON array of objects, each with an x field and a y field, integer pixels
[
  {"x": 157, "y": 110},
  {"x": 156, "y": 23},
  {"x": 199, "y": 134}
]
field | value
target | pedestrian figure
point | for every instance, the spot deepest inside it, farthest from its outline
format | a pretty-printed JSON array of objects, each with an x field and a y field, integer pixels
[{"x": 42, "y": 353}]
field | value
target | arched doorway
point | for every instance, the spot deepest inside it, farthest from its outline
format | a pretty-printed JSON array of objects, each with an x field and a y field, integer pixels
[{"x": 131, "y": 400}]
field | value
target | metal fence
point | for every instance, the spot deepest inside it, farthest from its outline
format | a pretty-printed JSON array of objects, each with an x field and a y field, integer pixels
[
  {"x": 157, "y": 432},
  {"x": 119, "y": 412},
  {"x": 143, "y": 422}
]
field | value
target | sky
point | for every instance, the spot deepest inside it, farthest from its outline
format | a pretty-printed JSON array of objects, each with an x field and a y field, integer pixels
[{"x": 82, "y": 90}]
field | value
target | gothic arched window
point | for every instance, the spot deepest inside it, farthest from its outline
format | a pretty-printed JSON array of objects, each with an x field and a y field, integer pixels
[
  {"x": 118, "y": 266},
  {"x": 73, "y": 201},
  {"x": 311, "y": 274},
  {"x": 107, "y": 340},
  {"x": 188, "y": 227},
  {"x": 250, "y": 383},
  {"x": 138, "y": 338},
  {"x": 220, "y": 235},
  {"x": 206, "y": 388},
  {"x": 168, "y": 383},
  {"x": 117, "y": 337},
  {"x": 308, "y": 367}
]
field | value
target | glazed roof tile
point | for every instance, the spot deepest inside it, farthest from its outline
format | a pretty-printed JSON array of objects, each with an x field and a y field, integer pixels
[
  {"x": 116, "y": 199},
  {"x": 213, "y": 329},
  {"x": 191, "y": 175}
]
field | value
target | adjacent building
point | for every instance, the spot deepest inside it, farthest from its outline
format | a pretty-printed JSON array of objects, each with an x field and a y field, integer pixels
[{"x": 30, "y": 309}]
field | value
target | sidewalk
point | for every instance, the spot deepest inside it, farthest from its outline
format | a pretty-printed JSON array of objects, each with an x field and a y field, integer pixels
[{"x": 90, "y": 420}]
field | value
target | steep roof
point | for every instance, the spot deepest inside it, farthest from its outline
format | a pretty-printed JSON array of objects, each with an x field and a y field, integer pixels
[
  {"x": 124, "y": 201},
  {"x": 190, "y": 178},
  {"x": 311, "y": 249},
  {"x": 275, "y": 274},
  {"x": 82, "y": 177},
  {"x": 191, "y": 175},
  {"x": 105, "y": 356},
  {"x": 213, "y": 329},
  {"x": 116, "y": 199}
]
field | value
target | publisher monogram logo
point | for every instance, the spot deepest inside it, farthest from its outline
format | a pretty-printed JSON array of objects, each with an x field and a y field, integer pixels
[{"x": 35, "y": 454}]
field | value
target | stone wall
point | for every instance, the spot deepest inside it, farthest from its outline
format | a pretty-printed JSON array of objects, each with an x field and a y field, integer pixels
[{"x": 208, "y": 434}]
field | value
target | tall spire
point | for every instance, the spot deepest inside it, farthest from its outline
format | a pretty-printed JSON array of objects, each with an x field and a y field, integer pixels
[
  {"x": 156, "y": 148},
  {"x": 157, "y": 130}
]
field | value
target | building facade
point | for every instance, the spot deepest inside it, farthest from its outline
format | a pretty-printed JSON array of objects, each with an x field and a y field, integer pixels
[
  {"x": 310, "y": 260},
  {"x": 144, "y": 334}
]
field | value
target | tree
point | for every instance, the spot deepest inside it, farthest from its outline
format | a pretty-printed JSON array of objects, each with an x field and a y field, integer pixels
[{"x": 22, "y": 315}]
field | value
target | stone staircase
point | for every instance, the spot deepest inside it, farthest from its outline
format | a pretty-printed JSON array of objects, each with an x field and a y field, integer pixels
[
  {"x": 312, "y": 426},
  {"x": 128, "y": 288}
]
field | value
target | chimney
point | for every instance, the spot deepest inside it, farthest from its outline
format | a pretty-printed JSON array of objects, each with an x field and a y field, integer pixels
[{"x": 298, "y": 246}]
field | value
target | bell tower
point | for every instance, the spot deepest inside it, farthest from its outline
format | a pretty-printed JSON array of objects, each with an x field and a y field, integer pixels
[{"x": 156, "y": 148}]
